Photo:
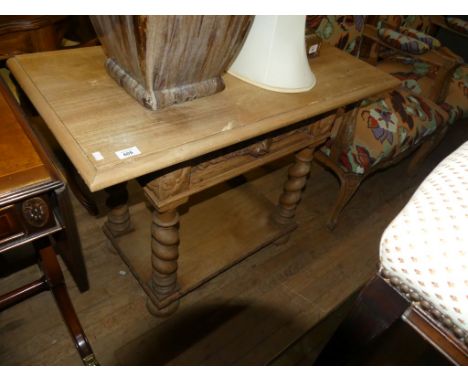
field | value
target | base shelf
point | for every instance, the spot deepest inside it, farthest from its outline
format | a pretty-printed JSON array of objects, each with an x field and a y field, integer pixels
[{"x": 215, "y": 234}]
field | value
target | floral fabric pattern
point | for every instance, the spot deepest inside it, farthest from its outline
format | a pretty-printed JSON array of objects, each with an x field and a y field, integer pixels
[
  {"x": 387, "y": 127},
  {"x": 403, "y": 42},
  {"x": 458, "y": 24},
  {"x": 425, "y": 38},
  {"x": 419, "y": 76},
  {"x": 400, "y": 119},
  {"x": 344, "y": 32}
]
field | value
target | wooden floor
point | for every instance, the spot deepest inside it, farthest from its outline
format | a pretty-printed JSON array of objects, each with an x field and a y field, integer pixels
[{"x": 255, "y": 313}]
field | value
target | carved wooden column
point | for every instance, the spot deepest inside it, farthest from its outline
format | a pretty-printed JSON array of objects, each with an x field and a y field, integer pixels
[
  {"x": 164, "y": 195},
  {"x": 292, "y": 191},
  {"x": 118, "y": 219},
  {"x": 164, "y": 256}
]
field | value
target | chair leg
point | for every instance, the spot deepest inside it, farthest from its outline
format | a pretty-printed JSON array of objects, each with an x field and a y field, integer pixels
[
  {"x": 56, "y": 283},
  {"x": 349, "y": 183},
  {"x": 377, "y": 307}
]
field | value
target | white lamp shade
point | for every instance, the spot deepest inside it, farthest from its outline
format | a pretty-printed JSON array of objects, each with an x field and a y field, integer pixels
[{"x": 274, "y": 55}]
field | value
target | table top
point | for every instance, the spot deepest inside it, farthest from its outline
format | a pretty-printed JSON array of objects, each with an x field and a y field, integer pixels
[
  {"x": 110, "y": 138},
  {"x": 21, "y": 166}
]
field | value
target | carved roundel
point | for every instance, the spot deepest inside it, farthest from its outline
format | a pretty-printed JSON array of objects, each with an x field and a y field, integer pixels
[{"x": 36, "y": 211}]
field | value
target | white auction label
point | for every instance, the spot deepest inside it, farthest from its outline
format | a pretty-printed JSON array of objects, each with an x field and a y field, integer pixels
[
  {"x": 127, "y": 153},
  {"x": 97, "y": 155}
]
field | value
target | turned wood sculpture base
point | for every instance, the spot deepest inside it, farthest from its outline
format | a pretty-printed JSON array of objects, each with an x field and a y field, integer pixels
[
  {"x": 214, "y": 235},
  {"x": 162, "y": 98}
]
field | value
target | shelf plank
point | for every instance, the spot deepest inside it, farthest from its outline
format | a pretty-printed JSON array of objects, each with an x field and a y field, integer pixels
[{"x": 215, "y": 234}]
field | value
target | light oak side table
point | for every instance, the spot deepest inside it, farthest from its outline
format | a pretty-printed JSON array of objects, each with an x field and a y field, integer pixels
[{"x": 187, "y": 148}]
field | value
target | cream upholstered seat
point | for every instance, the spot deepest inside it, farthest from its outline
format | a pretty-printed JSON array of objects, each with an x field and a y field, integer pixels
[
  {"x": 423, "y": 277},
  {"x": 425, "y": 248}
]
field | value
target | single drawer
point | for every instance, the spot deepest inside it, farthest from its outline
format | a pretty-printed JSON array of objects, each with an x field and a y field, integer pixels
[{"x": 10, "y": 226}]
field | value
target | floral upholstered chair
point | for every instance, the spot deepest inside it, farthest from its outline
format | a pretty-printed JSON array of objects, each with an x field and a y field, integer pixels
[
  {"x": 418, "y": 75},
  {"x": 378, "y": 132}
]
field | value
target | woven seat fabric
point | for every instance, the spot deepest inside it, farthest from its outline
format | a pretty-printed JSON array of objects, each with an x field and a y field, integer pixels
[{"x": 426, "y": 245}]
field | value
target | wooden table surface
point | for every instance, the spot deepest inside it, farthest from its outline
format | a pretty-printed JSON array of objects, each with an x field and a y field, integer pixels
[{"x": 90, "y": 114}]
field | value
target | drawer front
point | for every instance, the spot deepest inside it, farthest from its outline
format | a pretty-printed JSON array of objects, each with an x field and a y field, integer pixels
[
  {"x": 26, "y": 218},
  {"x": 10, "y": 225}
]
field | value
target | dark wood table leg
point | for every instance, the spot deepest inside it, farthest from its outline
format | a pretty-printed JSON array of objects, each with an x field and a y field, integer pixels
[
  {"x": 118, "y": 219},
  {"x": 56, "y": 283}
]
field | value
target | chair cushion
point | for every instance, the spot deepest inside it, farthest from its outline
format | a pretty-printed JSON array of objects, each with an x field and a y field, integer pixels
[
  {"x": 458, "y": 24},
  {"x": 403, "y": 42},
  {"x": 387, "y": 127},
  {"x": 421, "y": 36},
  {"x": 426, "y": 245}
]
